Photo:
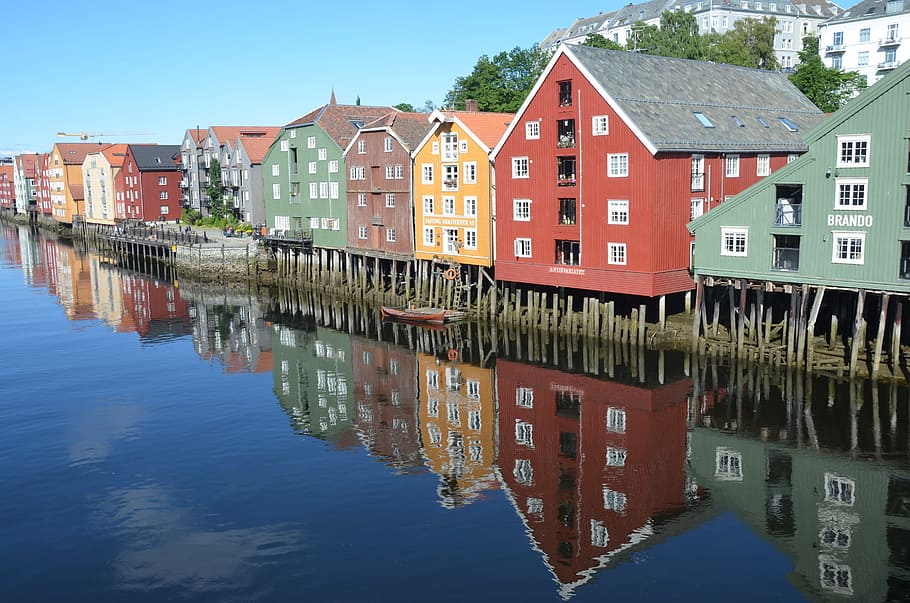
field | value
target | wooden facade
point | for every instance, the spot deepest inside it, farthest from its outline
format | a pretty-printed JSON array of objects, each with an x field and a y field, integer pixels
[
  {"x": 100, "y": 170},
  {"x": 596, "y": 179},
  {"x": 65, "y": 185},
  {"x": 148, "y": 186}
]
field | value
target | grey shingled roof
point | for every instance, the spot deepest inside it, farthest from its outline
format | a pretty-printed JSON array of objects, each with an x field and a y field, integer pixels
[
  {"x": 870, "y": 9},
  {"x": 159, "y": 157},
  {"x": 660, "y": 96}
]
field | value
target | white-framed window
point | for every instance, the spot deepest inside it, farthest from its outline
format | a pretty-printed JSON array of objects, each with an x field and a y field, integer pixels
[
  {"x": 448, "y": 206},
  {"x": 432, "y": 379},
  {"x": 616, "y": 420},
  {"x": 862, "y": 58},
  {"x": 851, "y": 193},
  {"x": 315, "y": 223},
  {"x": 333, "y": 166},
  {"x": 362, "y": 232},
  {"x": 522, "y": 248},
  {"x": 470, "y": 206},
  {"x": 470, "y": 172},
  {"x": 390, "y": 199},
  {"x": 434, "y": 148},
  {"x": 284, "y": 145},
  {"x": 276, "y": 191},
  {"x": 839, "y": 489},
  {"x": 333, "y": 190},
  {"x": 311, "y": 167},
  {"x": 450, "y": 177},
  {"x": 276, "y": 169},
  {"x": 387, "y": 144},
  {"x": 389, "y": 172},
  {"x": 450, "y": 146},
  {"x": 322, "y": 154},
  {"x": 311, "y": 142},
  {"x": 524, "y": 433},
  {"x": 162, "y": 180},
  {"x": 734, "y": 241},
  {"x": 399, "y": 172},
  {"x": 532, "y": 130},
  {"x": 600, "y": 125},
  {"x": 853, "y": 151},
  {"x": 732, "y": 166},
  {"x": 314, "y": 191},
  {"x": 618, "y": 165},
  {"x": 616, "y": 253},
  {"x": 763, "y": 165},
  {"x": 463, "y": 146},
  {"x": 390, "y": 235},
  {"x": 792, "y": 157},
  {"x": 428, "y": 205},
  {"x": 698, "y": 173},
  {"x": 616, "y": 457},
  {"x": 523, "y": 472},
  {"x": 728, "y": 464},
  {"x": 470, "y": 238},
  {"x": 361, "y": 146},
  {"x": 521, "y": 210},
  {"x": 429, "y": 236},
  {"x": 834, "y": 576},
  {"x": 614, "y": 501},
  {"x": 163, "y": 210},
  {"x": 617, "y": 211},
  {"x": 426, "y": 173},
  {"x": 358, "y": 173},
  {"x": 524, "y": 397},
  {"x": 162, "y": 195},
  {"x": 323, "y": 190},
  {"x": 848, "y": 247},
  {"x": 696, "y": 207},
  {"x": 520, "y": 167}
]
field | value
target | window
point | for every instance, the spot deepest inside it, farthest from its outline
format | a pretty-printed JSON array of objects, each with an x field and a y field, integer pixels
[
  {"x": 390, "y": 200},
  {"x": 162, "y": 195},
  {"x": 734, "y": 241},
  {"x": 429, "y": 236},
  {"x": 361, "y": 198},
  {"x": 522, "y": 248},
  {"x": 617, "y": 212},
  {"x": 848, "y": 247},
  {"x": 703, "y": 119},
  {"x": 617, "y": 165},
  {"x": 389, "y": 172},
  {"x": 614, "y": 501},
  {"x": 470, "y": 238},
  {"x": 426, "y": 173},
  {"x": 567, "y": 211},
  {"x": 390, "y": 235},
  {"x": 276, "y": 191},
  {"x": 387, "y": 144},
  {"x": 696, "y": 207},
  {"x": 162, "y": 180},
  {"x": 792, "y": 157},
  {"x": 862, "y": 58},
  {"x": 470, "y": 206},
  {"x": 435, "y": 147},
  {"x": 427, "y": 205},
  {"x": 523, "y": 472},
  {"x": 284, "y": 145},
  {"x": 361, "y": 146},
  {"x": 728, "y": 464},
  {"x": 448, "y": 206},
  {"x": 463, "y": 146},
  {"x": 698, "y": 172},
  {"x": 763, "y": 165},
  {"x": 333, "y": 166},
  {"x": 835, "y": 577},
  {"x": 450, "y": 177},
  {"x": 450, "y": 146},
  {"x": 399, "y": 172},
  {"x": 732, "y": 163},
  {"x": 524, "y": 397},
  {"x": 600, "y": 125},
  {"x": 322, "y": 154},
  {"x": 163, "y": 210},
  {"x": 864, "y": 34},
  {"x": 524, "y": 434},
  {"x": 854, "y": 151},
  {"x": 362, "y": 232},
  {"x": 532, "y": 130},
  {"x": 276, "y": 169},
  {"x": 521, "y": 210},
  {"x": 314, "y": 191},
  {"x": 470, "y": 172},
  {"x": 311, "y": 167},
  {"x": 616, "y": 253},
  {"x": 791, "y": 127},
  {"x": 616, "y": 457},
  {"x": 851, "y": 193},
  {"x": 568, "y": 252},
  {"x": 358, "y": 173},
  {"x": 837, "y": 62},
  {"x": 311, "y": 142},
  {"x": 565, "y": 94},
  {"x": 323, "y": 190},
  {"x": 519, "y": 167},
  {"x": 839, "y": 489},
  {"x": 616, "y": 420}
]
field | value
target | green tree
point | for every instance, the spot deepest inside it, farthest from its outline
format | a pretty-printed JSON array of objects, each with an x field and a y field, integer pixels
[
  {"x": 598, "y": 41},
  {"x": 749, "y": 44},
  {"x": 827, "y": 87},
  {"x": 406, "y": 107},
  {"x": 216, "y": 196},
  {"x": 500, "y": 83}
]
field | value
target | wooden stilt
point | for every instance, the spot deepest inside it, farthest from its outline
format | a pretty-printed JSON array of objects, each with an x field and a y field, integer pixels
[
  {"x": 696, "y": 319},
  {"x": 880, "y": 336},
  {"x": 857, "y": 326},
  {"x": 810, "y": 328},
  {"x": 896, "y": 338}
]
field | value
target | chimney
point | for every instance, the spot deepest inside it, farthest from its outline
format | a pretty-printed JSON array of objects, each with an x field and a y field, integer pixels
[{"x": 470, "y": 104}]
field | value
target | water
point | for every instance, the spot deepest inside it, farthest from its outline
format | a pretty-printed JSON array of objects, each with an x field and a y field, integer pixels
[{"x": 166, "y": 442}]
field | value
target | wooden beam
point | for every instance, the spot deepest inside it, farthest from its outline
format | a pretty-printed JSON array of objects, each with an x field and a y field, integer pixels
[
  {"x": 810, "y": 328},
  {"x": 880, "y": 336},
  {"x": 857, "y": 325},
  {"x": 696, "y": 318}
]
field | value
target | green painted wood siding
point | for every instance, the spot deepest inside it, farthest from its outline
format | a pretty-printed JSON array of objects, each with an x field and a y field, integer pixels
[{"x": 326, "y": 214}]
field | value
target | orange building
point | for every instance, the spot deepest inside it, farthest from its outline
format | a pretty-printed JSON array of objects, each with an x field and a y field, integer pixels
[
  {"x": 457, "y": 414},
  {"x": 453, "y": 187},
  {"x": 67, "y": 194}
]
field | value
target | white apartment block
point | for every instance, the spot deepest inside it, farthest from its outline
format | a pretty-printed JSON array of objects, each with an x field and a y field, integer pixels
[{"x": 867, "y": 38}]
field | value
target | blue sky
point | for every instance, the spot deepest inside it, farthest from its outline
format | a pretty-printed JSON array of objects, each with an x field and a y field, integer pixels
[{"x": 158, "y": 68}]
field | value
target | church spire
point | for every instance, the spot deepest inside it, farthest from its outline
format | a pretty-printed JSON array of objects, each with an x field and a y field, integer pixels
[{"x": 332, "y": 100}]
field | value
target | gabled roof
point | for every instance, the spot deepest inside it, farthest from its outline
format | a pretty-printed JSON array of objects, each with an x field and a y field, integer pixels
[
  {"x": 341, "y": 122},
  {"x": 485, "y": 128},
  {"x": 155, "y": 158},
  {"x": 230, "y": 133},
  {"x": 115, "y": 154},
  {"x": 871, "y": 9},
  {"x": 406, "y": 127},
  {"x": 662, "y": 99},
  {"x": 73, "y": 153},
  {"x": 256, "y": 147},
  {"x": 645, "y": 11}
]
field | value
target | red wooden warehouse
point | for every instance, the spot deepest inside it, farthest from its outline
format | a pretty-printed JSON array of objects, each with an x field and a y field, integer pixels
[
  {"x": 613, "y": 153},
  {"x": 148, "y": 185}
]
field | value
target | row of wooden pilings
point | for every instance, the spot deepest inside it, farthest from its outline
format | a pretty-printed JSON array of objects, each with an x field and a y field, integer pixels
[{"x": 752, "y": 333}]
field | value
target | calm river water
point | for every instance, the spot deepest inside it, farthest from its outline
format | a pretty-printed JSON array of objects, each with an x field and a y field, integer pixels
[{"x": 164, "y": 441}]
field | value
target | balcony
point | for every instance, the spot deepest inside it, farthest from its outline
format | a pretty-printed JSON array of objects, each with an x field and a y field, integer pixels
[
  {"x": 835, "y": 49},
  {"x": 888, "y": 65},
  {"x": 788, "y": 214},
  {"x": 894, "y": 40},
  {"x": 786, "y": 259}
]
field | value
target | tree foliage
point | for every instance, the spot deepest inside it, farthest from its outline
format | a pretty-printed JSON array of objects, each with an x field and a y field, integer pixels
[
  {"x": 677, "y": 36},
  {"x": 596, "y": 40},
  {"x": 829, "y": 88},
  {"x": 216, "y": 197},
  {"x": 500, "y": 83},
  {"x": 749, "y": 44}
]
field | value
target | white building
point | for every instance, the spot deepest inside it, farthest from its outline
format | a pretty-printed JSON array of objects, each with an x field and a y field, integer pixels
[{"x": 867, "y": 38}]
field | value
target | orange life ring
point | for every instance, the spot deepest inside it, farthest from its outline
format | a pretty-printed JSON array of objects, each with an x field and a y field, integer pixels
[
  {"x": 451, "y": 274},
  {"x": 453, "y": 354}
]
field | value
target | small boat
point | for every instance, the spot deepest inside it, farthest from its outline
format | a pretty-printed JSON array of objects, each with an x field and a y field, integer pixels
[{"x": 428, "y": 315}]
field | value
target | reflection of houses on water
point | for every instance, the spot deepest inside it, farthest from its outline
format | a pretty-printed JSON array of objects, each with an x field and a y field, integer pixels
[
  {"x": 73, "y": 282},
  {"x": 155, "y": 308},
  {"x": 590, "y": 465},
  {"x": 385, "y": 395},
  {"x": 457, "y": 409},
  {"x": 818, "y": 480},
  {"x": 313, "y": 382},
  {"x": 32, "y": 261},
  {"x": 228, "y": 328}
]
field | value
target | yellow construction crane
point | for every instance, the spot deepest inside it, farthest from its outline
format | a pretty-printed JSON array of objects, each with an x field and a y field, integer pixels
[{"x": 92, "y": 135}]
